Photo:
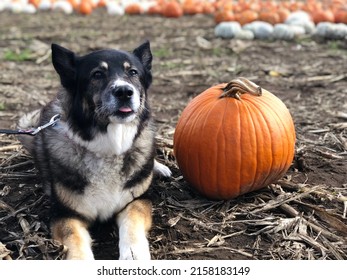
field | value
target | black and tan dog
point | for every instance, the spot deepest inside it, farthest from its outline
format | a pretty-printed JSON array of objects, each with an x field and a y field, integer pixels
[{"x": 98, "y": 160}]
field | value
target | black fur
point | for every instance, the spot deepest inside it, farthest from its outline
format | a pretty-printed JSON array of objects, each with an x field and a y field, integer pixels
[
  {"x": 75, "y": 75},
  {"x": 60, "y": 161},
  {"x": 99, "y": 158}
]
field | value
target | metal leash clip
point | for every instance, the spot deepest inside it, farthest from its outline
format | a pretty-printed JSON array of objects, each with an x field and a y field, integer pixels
[{"x": 33, "y": 131}]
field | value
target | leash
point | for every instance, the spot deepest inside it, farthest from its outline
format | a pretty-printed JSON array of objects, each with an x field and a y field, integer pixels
[{"x": 32, "y": 131}]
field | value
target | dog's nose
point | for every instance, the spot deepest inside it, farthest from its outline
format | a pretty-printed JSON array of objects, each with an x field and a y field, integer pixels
[{"x": 123, "y": 92}]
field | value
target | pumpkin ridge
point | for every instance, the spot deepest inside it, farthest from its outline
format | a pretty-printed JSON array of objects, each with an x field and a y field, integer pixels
[
  {"x": 260, "y": 114},
  {"x": 181, "y": 121},
  {"x": 240, "y": 140},
  {"x": 195, "y": 117},
  {"x": 287, "y": 145},
  {"x": 206, "y": 186},
  {"x": 278, "y": 170},
  {"x": 191, "y": 156},
  {"x": 249, "y": 111},
  {"x": 221, "y": 138},
  {"x": 221, "y": 191},
  {"x": 200, "y": 180},
  {"x": 281, "y": 129}
]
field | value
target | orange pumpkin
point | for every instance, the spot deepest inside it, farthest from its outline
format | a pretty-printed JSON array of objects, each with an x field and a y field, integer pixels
[
  {"x": 296, "y": 6},
  {"x": 283, "y": 13},
  {"x": 192, "y": 7},
  {"x": 155, "y": 9},
  {"x": 102, "y": 3},
  {"x": 36, "y": 3},
  {"x": 246, "y": 16},
  {"x": 341, "y": 16},
  {"x": 133, "y": 9},
  {"x": 323, "y": 15},
  {"x": 270, "y": 16},
  {"x": 74, "y": 3},
  {"x": 85, "y": 7},
  {"x": 172, "y": 9},
  {"x": 234, "y": 138},
  {"x": 208, "y": 8},
  {"x": 223, "y": 15}
]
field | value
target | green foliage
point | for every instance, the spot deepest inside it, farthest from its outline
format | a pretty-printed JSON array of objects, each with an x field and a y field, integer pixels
[
  {"x": 2, "y": 106},
  {"x": 334, "y": 45},
  {"x": 163, "y": 52},
  {"x": 18, "y": 56},
  {"x": 217, "y": 51},
  {"x": 171, "y": 65}
]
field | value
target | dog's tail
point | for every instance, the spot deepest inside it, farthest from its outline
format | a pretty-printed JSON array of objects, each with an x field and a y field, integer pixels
[{"x": 28, "y": 121}]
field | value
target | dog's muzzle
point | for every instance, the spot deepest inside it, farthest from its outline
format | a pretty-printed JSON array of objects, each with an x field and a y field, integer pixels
[
  {"x": 123, "y": 93},
  {"x": 123, "y": 101}
]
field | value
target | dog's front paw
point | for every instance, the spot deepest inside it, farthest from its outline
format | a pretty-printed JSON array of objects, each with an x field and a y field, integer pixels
[
  {"x": 88, "y": 255},
  {"x": 134, "y": 251},
  {"x": 161, "y": 169}
]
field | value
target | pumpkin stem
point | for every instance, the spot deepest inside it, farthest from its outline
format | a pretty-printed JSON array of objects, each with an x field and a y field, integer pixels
[{"x": 240, "y": 86}]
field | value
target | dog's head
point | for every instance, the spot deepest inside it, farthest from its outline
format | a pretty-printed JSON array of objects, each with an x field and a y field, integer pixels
[{"x": 104, "y": 86}]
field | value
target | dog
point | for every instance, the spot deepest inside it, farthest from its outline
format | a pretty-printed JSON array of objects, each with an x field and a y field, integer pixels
[{"x": 98, "y": 160}]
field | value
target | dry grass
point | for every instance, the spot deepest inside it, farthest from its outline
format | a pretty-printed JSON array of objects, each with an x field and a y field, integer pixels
[{"x": 296, "y": 221}]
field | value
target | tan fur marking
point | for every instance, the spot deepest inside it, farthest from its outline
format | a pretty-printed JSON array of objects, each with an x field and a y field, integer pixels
[
  {"x": 139, "y": 213},
  {"x": 74, "y": 234},
  {"x": 134, "y": 223},
  {"x": 104, "y": 65},
  {"x": 126, "y": 65}
]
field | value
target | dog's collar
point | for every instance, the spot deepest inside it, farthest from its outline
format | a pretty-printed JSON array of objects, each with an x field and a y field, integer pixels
[{"x": 32, "y": 131}]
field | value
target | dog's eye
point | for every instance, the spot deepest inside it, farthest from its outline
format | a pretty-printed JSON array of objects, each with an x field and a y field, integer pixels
[
  {"x": 132, "y": 72},
  {"x": 98, "y": 75}
]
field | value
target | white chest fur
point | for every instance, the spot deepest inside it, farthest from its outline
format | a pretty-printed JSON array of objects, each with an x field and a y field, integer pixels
[
  {"x": 99, "y": 202},
  {"x": 105, "y": 194},
  {"x": 116, "y": 141},
  {"x": 121, "y": 136}
]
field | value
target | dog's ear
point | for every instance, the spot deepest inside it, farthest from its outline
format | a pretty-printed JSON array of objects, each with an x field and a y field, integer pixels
[
  {"x": 143, "y": 52},
  {"x": 64, "y": 62}
]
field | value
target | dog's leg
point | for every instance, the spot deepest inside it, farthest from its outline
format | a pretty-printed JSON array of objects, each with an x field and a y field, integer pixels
[
  {"x": 73, "y": 233},
  {"x": 161, "y": 169},
  {"x": 134, "y": 222}
]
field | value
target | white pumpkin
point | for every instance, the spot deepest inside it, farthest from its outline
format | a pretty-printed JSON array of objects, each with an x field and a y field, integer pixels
[
  {"x": 62, "y": 6},
  {"x": 29, "y": 9},
  {"x": 260, "y": 29},
  {"x": 287, "y": 32},
  {"x": 283, "y": 32},
  {"x": 328, "y": 30},
  {"x": 227, "y": 29},
  {"x": 45, "y": 5},
  {"x": 114, "y": 8},
  {"x": 303, "y": 19},
  {"x": 244, "y": 35}
]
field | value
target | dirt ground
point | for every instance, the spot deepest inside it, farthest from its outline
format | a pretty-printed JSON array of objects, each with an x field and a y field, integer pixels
[{"x": 303, "y": 216}]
